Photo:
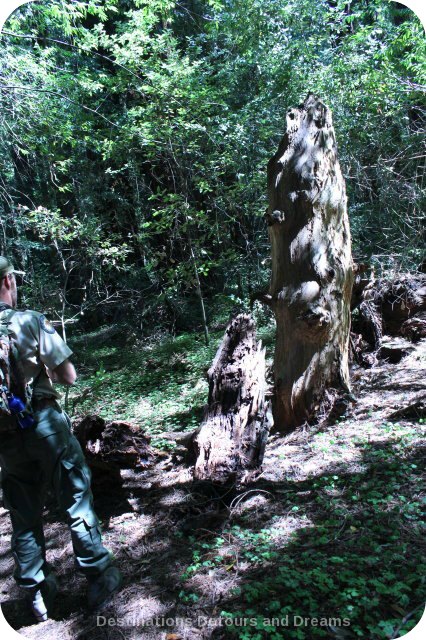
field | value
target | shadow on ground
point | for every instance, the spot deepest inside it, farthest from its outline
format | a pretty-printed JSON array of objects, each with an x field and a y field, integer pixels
[{"x": 331, "y": 530}]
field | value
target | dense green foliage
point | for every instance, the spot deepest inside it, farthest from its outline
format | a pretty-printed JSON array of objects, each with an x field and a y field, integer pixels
[
  {"x": 134, "y": 137},
  {"x": 159, "y": 382}
]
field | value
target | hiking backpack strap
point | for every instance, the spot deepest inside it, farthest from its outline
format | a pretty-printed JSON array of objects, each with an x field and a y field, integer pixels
[
  {"x": 5, "y": 348},
  {"x": 12, "y": 376}
]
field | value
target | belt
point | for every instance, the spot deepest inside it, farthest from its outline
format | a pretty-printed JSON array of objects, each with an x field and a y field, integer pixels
[{"x": 9, "y": 424}]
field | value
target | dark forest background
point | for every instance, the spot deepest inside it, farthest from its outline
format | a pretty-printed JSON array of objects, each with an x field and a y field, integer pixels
[{"x": 134, "y": 138}]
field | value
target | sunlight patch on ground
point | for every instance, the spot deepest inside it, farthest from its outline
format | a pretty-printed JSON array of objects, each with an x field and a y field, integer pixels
[
  {"x": 171, "y": 478},
  {"x": 143, "y": 408},
  {"x": 173, "y": 498},
  {"x": 141, "y": 607},
  {"x": 130, "y": 527},
  {"x": 217, "y": 583},
  {"x": 284, "y": 526}
]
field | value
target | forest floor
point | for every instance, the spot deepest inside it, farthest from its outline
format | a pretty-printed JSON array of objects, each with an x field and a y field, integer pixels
[{"x": 329, "y": 531}]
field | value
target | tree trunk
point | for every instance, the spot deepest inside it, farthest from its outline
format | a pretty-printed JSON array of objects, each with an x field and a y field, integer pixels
[
  {"x": 233, "y": 434},
  {"x": 312, "y": 275}
]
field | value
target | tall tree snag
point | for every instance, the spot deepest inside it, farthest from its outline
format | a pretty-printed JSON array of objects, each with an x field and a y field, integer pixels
[
  {"x": 235, "y": 427},
  {"x": 312, "y": 276}
]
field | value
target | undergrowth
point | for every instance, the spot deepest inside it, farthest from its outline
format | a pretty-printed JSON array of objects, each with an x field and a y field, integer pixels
[
  {"x": 347, "y": 567},
  {"x": 335, "y": 555},
  {"x": 159, "y": 383}
]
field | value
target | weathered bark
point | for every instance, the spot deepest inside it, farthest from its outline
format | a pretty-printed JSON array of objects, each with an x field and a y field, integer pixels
[
  {"x": 370, "y": 323},
  {"x": 311, "y": 264},
  {"x": 233, "y": 434}
]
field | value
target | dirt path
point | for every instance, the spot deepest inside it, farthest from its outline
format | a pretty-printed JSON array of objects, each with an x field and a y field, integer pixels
[{"x": 155, "y": 520}]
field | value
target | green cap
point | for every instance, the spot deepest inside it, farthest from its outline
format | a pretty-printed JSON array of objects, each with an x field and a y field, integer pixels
[{"x": 7, "y": 267}]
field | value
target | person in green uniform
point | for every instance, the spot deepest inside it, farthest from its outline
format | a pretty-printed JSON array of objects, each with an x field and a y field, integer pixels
[{"x": 47, "y": 455}]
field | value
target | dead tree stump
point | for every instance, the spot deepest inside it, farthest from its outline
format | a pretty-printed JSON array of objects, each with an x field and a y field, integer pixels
[
  {"x": 116, "y": 445},
  {"x": 310, "y": 291},
  {"x": 234, "y": 430},
  {"x": 400, "y": 300},
  {"x": 391, "y": 307}
]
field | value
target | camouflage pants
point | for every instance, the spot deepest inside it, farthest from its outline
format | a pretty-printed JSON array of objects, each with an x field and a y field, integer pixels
[{"x": 32, "y": 461}]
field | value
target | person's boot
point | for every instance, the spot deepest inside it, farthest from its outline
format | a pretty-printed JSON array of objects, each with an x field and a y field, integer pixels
[
  {"x": 102, "y": 587},
  {"x": 42, "y": 597}
]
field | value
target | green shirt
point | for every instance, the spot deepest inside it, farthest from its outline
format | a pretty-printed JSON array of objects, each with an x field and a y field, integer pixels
[{"x": 39, "y": 346}]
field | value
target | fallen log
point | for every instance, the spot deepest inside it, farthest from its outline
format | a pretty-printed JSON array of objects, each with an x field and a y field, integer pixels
[
  {"x": 414, "y": 411},
  {"x": 233, "y": 434}
]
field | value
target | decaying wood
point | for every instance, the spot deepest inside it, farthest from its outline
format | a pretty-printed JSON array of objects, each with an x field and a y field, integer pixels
[
  {"x": 311, "y": 265},
  {"x": 393, "y": 349},
  {"x": 370, "y": 323},
  {"x": 358, "y": 288},
  {"x": 233, "y": 433},
  {"x": 100, "y": 336},
  {"x": 415, "y": 328},
  {"x": 184, "y": 447},
  {"x": 400, "y": 300},
  {"x": 413, "y": 411},
  {"x": 388, "y": 307},
  {"x": 358, "y": 346},
  {"x": 113, "y": 445}
]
